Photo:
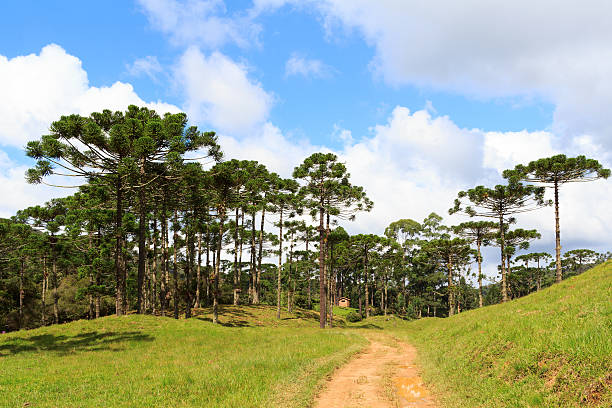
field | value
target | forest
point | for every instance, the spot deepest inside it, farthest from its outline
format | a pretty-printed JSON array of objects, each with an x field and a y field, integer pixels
[{"x": 160, "y": 222}]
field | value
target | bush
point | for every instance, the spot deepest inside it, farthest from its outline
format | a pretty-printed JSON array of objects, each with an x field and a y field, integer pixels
[{"x": 353, "y": 317}]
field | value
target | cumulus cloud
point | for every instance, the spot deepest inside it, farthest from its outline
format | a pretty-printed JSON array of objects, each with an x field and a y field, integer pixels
[
  {"x": 16, "y": 193},
  {"x": 503, "y": 150},
  {"x": 148, "y": 66},
  {"x": 308, "y": 68},
  {"x": 416, "y": 163},
  {"x": 271, "y": 147},
  {"x": 556, "y": 51},
  {"x": 38, "y": 89},
  {"x": 200, "y": 22},
  {"x": 219, "y": 92}
]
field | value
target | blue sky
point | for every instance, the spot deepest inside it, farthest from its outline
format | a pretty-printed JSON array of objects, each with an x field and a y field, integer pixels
[
  {"x": 107, "y": 36},
  {"x": 420, "y": 99}
]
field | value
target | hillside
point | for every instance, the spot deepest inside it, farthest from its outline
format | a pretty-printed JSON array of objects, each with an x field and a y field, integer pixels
[
  {"x": 551, "y": 348},
  {"x": 143, "y": 361}
]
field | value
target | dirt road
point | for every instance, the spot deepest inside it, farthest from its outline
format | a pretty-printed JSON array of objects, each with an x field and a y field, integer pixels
[{"x": 383, "y": 376}]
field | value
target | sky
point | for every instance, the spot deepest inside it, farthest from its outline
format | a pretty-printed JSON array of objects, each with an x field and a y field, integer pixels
[{"x": 421, "y": 99}]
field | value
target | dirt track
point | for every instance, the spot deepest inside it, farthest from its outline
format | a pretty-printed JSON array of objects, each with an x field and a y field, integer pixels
[{"x": 382, "y": 376}]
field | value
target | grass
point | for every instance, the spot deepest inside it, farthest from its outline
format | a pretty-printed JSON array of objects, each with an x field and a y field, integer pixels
[
  {"x": 548, "y": 349},
  {"x": 142, "y": 361}
]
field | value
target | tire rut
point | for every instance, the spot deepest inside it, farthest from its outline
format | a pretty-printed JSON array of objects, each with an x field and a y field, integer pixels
[{"x": 383, "y": 376}]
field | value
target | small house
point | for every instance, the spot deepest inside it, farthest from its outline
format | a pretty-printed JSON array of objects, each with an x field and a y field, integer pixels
[{"x": 344, "y": 302}]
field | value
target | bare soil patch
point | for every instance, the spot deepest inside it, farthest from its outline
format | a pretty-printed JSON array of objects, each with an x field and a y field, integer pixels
[{"x": 383, "y": 376}]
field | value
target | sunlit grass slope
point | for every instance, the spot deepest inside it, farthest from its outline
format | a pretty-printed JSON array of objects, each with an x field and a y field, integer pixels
[
  {"x": 144, "y": 361},
  {"x": 549, "y": 349}
]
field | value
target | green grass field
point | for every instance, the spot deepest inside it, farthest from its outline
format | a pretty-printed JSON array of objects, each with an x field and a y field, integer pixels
[
  {"x": 549, "y": 349},
  {"x": 144, "y": 361}
]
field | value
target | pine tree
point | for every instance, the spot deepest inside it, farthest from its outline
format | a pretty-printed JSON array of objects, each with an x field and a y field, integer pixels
[{"x": 553, "y": 172}]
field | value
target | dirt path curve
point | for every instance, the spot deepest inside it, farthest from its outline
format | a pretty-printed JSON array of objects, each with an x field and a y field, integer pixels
[{"x": 383, "y": 376}]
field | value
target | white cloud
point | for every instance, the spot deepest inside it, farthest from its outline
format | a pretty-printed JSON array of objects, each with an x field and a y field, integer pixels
[
  {"x": 422, "y": 142},
  {"x": 344, "y": 135},
  {"x": 503, "y": 150},
  {"x": 219, "y": 92},
  {"x": 148, "y": 66},
  {"x": 38, "y": 89},
  {"x": 270, "y": 147},
  {"x": 299, "y": 65},
  {"x": 556, "y": 51},
  {"x": 416, "y": 163},
  {"x": 200, "y": 22},
  {"x": 16, "y": 193}
]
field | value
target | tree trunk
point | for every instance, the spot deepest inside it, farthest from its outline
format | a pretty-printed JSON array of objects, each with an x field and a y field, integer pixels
[
  {"x": 236, "y": 271},
  {"x": 559, "y": 272},
  {"x": 386, "y": 298},
  {"x": 259, "y": 257},
  {"x": 330, "y": 274},
  {"x": 290, "y": 278},
  {"x": 55, "y": 294},
  {"x": 365, "y": 275},
  {"x": 90, "y": 312},
  {"x": 199, "y": 271},
  {"x": 21, "y": 292},
  {"x": 508, "y": 275},
  {"x": 163, "y": 293},
  {"x": 175, "y": 265},
  {"x": 155, "y": 272},
  {"x": 97, "y": 306},
  {"x": 539, "y": 276},
  {"x": 215, "y": 318},
  {"x": 253, "y": 268},
  {"x": 503, "y": 266},
  {"x": 120, "y": 270},
  {"x": 240, "y": 247},
  {"x": 44, "y": 291},
  {"x": 189, "y": 257},
  {"x": 322, "y": 297},
  {"x": 280, "y": 264},
  {"x": 435, "y": 307},
  {"x": 404, "y": 301},
  {"x": 207, "y": 268},
  {"x": 478, "y": 244},
  {"x": 451, "y": 289},
  {"x": 142, "y": 234},
  {"x": 307, "y": 256}
]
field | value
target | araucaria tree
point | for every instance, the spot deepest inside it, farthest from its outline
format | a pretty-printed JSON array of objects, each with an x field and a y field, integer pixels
[
  {"x": 328, "y": 193},
  {"x": 126, "y": 152},
  {"x": 554, "y": 171},
  {"x": 480, "y": 233},
  {"x": 500, "y": 203},
  {"x": 283, "y": 200},
  {"x": 403, "y": 232},
  {"x": 451, "y": 254}
]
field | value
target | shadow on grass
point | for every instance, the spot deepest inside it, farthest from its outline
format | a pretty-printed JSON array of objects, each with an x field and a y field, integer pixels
[
  {"x": 365, "y": 326},
  {"x": 231, "y": 317},
  {"x": 252, "y": 315},
  {"x": 303, "y": 314},
  {"x": 90, "y": 341}
]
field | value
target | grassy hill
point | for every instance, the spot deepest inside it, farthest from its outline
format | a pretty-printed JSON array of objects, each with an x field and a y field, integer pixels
[
  {"x": 551, "y": 348},
  {"x": 250, "y": 360}
]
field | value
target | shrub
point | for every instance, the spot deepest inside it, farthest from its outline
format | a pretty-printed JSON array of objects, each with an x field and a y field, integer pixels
[{"x": 353, "y": 317}]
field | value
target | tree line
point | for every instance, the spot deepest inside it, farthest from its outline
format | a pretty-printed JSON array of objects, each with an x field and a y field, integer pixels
[{"x": 160, "y": 223}]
